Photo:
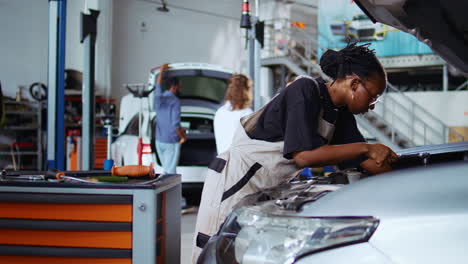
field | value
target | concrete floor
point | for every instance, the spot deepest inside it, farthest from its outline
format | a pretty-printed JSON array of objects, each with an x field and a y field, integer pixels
[{"x": 188, "y": 228}]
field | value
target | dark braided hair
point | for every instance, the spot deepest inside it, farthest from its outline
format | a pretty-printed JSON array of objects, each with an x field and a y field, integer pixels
[{"x": 359, "y": 60}]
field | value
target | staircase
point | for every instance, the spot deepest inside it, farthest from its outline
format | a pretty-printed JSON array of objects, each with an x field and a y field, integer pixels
[
  {"x": 397, "y": 121},
  {"x": 405, "y": 122},
  {"x": 292, "y": 47}
]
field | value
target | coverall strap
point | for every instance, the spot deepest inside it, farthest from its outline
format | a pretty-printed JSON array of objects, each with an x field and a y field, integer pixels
[
  {"x": 202, "y": 239},
  {"x": 242, "y": 182}
]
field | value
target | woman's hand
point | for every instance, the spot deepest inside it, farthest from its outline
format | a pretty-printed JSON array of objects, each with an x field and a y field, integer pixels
[{"x": 381, "y": 154}]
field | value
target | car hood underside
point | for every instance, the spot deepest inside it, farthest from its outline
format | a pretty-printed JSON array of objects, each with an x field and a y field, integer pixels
[{"x": 442, "y": 25}]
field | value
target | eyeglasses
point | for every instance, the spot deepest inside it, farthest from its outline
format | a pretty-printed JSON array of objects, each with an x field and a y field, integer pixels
[{"x": 375, "y": 99}]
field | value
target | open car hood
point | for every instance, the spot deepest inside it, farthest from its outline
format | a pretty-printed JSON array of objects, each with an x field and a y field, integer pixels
[{"x": 441, "y": 24}]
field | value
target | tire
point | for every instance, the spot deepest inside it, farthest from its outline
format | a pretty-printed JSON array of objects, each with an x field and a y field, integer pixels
[{"x": 38, "y": 91}]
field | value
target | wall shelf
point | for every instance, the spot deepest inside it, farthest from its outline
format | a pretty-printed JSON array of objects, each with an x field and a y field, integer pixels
[{"x": 23, "y": 126}]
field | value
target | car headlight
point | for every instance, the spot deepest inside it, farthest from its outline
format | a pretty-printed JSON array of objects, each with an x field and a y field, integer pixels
[{"x": 251, "y": 236}]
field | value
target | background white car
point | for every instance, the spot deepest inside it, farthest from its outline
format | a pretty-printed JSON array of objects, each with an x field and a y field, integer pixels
[
  {"x": 359, "y": 28},
  {"x": 203, "y": 90}
]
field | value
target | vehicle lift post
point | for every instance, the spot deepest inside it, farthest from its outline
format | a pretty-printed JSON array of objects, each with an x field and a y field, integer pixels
[
  {"x": 56, "y": 84},
  {"x": 88, "y": 37},
  {"x": 254, "y": 41}
]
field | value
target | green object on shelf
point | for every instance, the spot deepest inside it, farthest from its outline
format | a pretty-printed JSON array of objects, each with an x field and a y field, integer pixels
[{"x": 111, "y": 178}]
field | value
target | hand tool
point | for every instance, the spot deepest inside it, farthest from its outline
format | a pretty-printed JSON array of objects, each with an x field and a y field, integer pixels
[
  {"x": 128, "y": 170},
  {"x": 115, "y": 172}
]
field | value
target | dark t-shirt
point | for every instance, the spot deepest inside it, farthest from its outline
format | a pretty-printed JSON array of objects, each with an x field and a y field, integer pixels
[{"x": 293, "y": 115}]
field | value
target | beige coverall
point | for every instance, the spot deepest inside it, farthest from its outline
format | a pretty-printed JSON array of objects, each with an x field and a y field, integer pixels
[{"x": 248, "y": 166}]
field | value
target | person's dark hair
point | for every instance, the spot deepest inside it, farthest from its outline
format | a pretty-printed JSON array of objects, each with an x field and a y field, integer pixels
[
  {"x": 172, "y": 81},
  {"x": 359, "y": 60}
]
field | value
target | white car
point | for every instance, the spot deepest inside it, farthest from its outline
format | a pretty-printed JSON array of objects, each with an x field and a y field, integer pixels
[
  {"x": 203, "y": 90},
  {"x": 360, "y": 28},
  {"x": 415, "y": 214}
]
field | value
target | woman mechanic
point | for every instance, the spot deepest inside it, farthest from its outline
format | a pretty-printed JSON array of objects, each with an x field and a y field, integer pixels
[{"x": 310, "y": 123}]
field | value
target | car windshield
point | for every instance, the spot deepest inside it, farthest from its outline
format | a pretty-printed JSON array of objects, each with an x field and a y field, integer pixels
[
  {"x": 132, "y": 127},
  {"x": 203, "y": 87},
  {"x": 201, "y": 84}
]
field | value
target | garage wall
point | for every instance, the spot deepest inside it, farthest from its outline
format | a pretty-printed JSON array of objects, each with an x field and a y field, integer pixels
[
  {"x": 198, "y": 31},
  {"x": 24, "y": 45},
  {"x": 450, "y": 107},
  {"x": 192, "y": 31}
]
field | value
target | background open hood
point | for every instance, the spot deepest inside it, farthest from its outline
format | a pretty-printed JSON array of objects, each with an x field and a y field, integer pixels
[{"x": 441, "y": 24}]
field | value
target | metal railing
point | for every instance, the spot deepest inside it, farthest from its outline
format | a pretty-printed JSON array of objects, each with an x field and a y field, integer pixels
[
  {"x": 414, "y": 122},
  {"x": 462, "y": 86},
  {"x": 300, "y": 45}
]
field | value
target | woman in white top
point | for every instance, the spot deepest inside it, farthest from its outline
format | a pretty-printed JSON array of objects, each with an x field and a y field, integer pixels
[{"x": 238, "y": 102}]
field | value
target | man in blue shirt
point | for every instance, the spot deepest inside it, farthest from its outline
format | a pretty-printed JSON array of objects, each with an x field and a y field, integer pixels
[{"x": 169, "y": 134}]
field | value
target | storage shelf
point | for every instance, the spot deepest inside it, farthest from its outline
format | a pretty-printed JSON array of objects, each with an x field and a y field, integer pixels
[
  {"x": 20, "y": 103},
  {"x": 20, "y": 128},
  {"x": 20, "y": 113},
  {"x": 24, "y": 120},
  {"x": 20, "y": 153}
]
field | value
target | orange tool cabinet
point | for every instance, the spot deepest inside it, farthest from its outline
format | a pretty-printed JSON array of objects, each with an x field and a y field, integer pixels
[{"x": 74, "y": 222}]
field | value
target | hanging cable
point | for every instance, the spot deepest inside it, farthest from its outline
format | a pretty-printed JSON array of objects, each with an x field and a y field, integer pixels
[{"x": 192, "y": 10}]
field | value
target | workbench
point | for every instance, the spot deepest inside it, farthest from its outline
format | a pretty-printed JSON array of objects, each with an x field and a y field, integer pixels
[{"x": 75, "y": 222}]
